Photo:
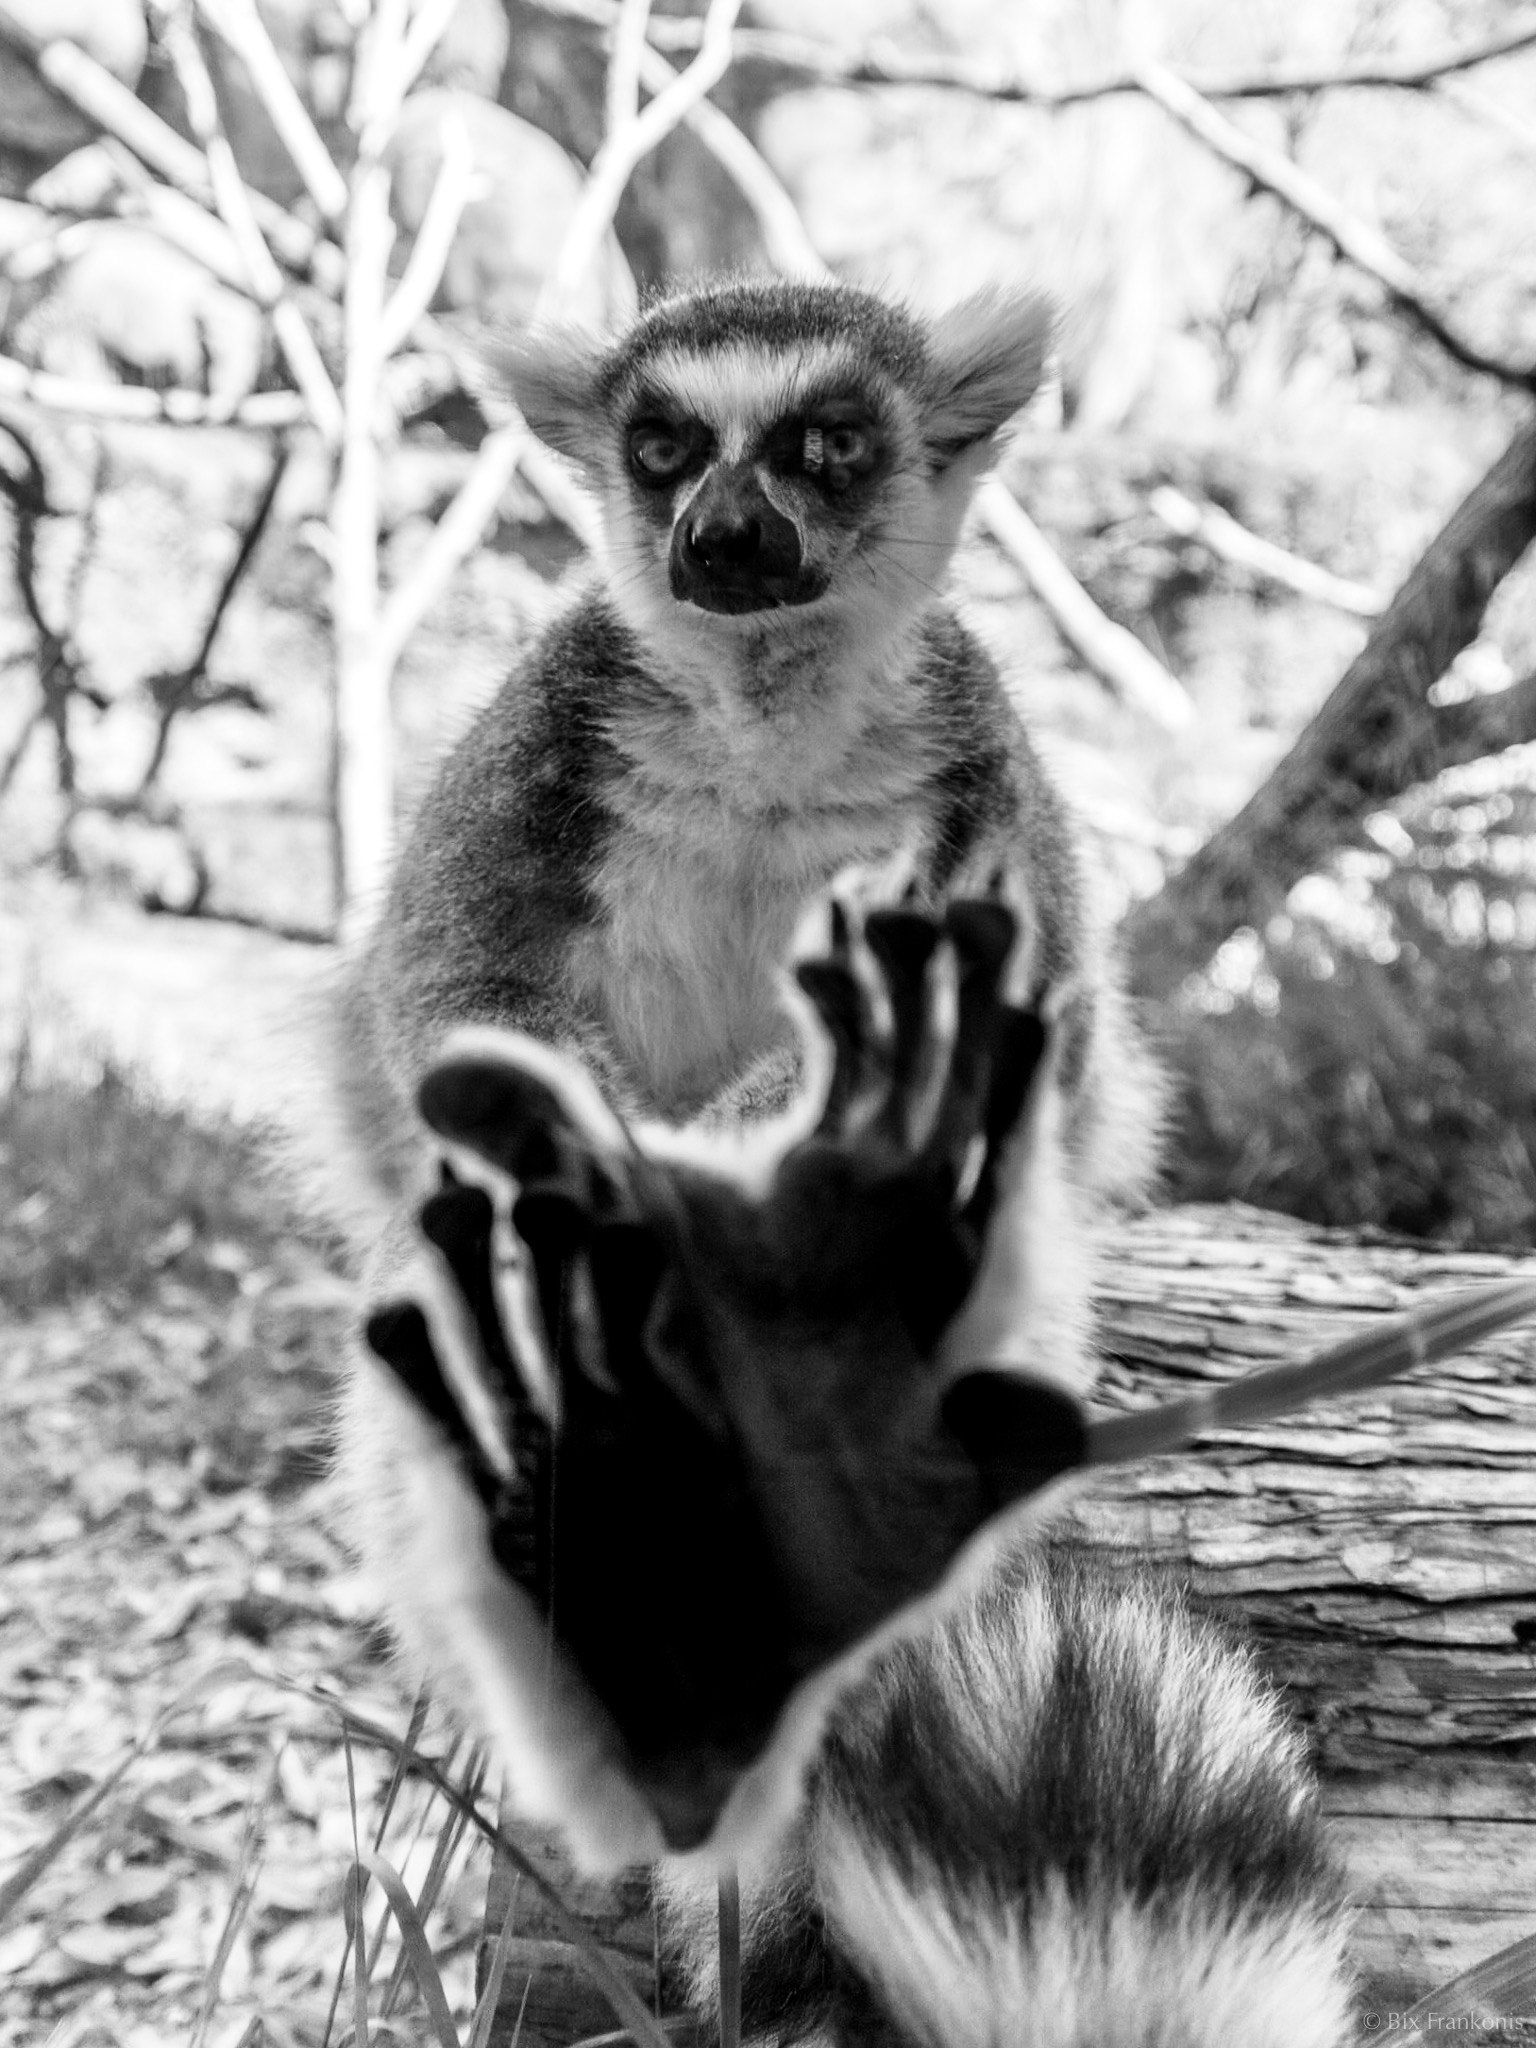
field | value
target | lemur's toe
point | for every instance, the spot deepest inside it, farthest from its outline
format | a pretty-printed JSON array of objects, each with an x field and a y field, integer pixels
[
  {"x": 399, "y": 1334},
  {"x": 459, "y": 1220},
  {"x": 835, "y": 996},
  {"x": 530, "y": 1112},
  {"x": 918, "y": 971},
  {"x": 1020, "y": 1043}
]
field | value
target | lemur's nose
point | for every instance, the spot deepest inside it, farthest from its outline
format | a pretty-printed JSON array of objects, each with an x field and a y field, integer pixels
[
  {"x": 725, "y": 540},
  {"x": 733, "y": 550}
]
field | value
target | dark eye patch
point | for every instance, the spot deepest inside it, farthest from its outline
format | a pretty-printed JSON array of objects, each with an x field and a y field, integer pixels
[
  {"x": 660, "y": 450},
  {"x": 835, "y": 442}
]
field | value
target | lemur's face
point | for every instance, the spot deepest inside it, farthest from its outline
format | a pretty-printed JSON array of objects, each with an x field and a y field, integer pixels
[
  {"x": 758, "y": 482},
  {"x": 764, "y": 447}
]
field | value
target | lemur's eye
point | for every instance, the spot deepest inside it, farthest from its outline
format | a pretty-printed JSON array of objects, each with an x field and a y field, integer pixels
[
  {"x": 657, "y": 454},
  {"x": 837, "y": 451},
  {"x": 843, "y": 447}
]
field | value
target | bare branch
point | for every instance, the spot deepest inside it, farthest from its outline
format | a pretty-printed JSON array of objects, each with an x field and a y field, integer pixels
[
  {"x": 624, "y": 65},
  {"x": 1376, "y": 736},
  {"x": 427, "y": 27},
  {"x": 1115, "y": 655},
  {"x": 182, "y": 690},
  {"x": 790, "y": 248},
  {"x": 265, "y": 411},
  {"x": 824, "y": 64},
  {"x": 234, "y": 206},
  {"x": 18, "y": 751},
  {"x": 621, "y": 152},
  {"x": 451, "y": 190},
  {"x": 1353, "y": 238},
  {"x": 1218, "y": 531},
  {"x": 238, "y": 24}
]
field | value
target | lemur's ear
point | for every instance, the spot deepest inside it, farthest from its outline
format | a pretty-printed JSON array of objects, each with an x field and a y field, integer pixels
[
  {"x": 986, "y": 359},
  {"x": 552, "y": 379}
]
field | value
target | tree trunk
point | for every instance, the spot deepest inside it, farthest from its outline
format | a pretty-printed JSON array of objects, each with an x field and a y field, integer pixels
[{"x": 1375, "y": 737}]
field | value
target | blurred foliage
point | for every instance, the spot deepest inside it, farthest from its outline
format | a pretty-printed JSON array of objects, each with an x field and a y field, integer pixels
[
  {"x": 107, "y": 1190},
  {"x": 1371, "y": 1061}
]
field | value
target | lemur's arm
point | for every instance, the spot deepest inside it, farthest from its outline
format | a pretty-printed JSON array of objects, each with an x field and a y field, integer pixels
[{"x": 734, "y": 1437}]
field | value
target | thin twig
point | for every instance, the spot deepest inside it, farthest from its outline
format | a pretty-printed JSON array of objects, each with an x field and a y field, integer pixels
[
  {"x": 1113, "y": 652},
  {"x": 189, "y": 681},
  {"x": 622, "y": 99},
  {"x": 425, "y": 31},
  {"x": 17, "y": 754},
  {"x": 1353, "y": 1366},
  {"x": 824, "y": 63},
  {"x": 233, "y": 201},
  {"x": 1218, "y": 531},
  {"x": 1354, "y": 239},
  {"x": 265, "y": 411},
  {"x": 790, "y": 248},
  {"x": 451, "y": 192},
  {"x": 615, "y": 162},
  {"x": 239, "y": 25}
]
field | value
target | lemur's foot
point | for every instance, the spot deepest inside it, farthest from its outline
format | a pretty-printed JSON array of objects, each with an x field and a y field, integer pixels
[{"x": 724, "y": 1440}]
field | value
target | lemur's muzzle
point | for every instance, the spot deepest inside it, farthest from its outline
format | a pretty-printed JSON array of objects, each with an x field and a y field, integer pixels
[{"x": 734, "y": 551}]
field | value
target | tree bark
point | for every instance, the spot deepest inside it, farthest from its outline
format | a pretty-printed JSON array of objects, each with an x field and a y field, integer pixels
[
  {"x": 1375, "y": 737},
  {"x": 1380, "y": 1554}
]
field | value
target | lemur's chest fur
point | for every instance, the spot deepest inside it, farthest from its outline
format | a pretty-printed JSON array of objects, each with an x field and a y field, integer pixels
[{"x": 724, "y": 822}]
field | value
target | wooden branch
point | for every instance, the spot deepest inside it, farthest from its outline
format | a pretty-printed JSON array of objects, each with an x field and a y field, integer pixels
[
  {"x": 1353, "y": 238},
  {"x": 615, "y": 161},
  {"x": 622, "y": 99},
  {"x": 233, "y": 201},
  {"x": 790, "y": 249},
  {"x": 1376, "y": 736},
  {"x": 1218, "y": 531},
  {"x": 1113, "y": 653},
  {"x": 177, "y": 693},
  {"x": 237, "y": 23},
  {"x": 264, "y": 412},
  {"x": 823, "y": 63},
  {"x": 424, "y": 267}
]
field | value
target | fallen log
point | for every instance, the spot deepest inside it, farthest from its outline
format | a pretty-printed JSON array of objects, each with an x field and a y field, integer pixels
[{"x": 1380, "y": 1553}]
